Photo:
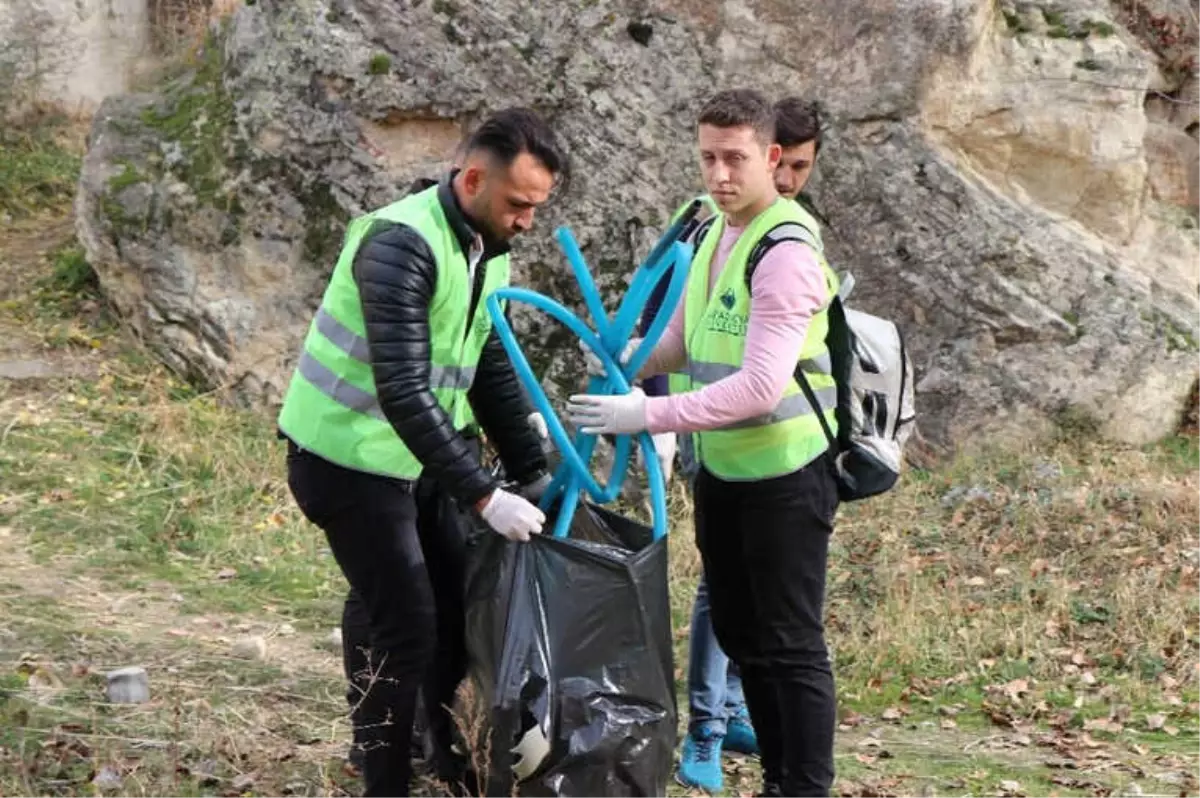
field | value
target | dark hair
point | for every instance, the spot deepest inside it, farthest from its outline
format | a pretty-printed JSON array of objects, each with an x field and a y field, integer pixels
[
  {"x": 797, "y": 121},
  {"x": 738, "y": 108},
  {"x": 509, "y": 132}
]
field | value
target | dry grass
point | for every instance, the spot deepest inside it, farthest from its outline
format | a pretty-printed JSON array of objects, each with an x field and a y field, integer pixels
[{"x": 1017, "y": 623}]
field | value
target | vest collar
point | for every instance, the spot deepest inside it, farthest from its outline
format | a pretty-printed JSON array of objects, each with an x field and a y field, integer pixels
[{"x": 469, "y": 238}]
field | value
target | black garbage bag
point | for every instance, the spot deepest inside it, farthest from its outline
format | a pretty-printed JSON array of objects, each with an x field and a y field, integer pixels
[{"x": 571, "y": 638}]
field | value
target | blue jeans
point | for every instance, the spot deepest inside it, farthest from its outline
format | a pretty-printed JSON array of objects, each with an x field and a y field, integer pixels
[{"x": 714, "y": 684}]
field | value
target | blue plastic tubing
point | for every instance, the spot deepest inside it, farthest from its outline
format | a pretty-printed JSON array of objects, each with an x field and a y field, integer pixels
[{"x": 607, "y": 342}]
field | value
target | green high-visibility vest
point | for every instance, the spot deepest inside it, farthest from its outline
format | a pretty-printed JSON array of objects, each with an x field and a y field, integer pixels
[
  {"x": 790, "y": 436},
  {"x": 331, "y": 407}
]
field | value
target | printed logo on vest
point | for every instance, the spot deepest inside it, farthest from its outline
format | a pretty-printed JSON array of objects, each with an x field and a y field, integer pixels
[
  {"x": 727, "y": 299},
  {"x": 723, "y": 321}
]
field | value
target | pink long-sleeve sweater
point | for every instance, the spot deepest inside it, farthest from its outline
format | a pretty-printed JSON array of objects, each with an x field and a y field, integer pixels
[{"x": 787, "y": 286}]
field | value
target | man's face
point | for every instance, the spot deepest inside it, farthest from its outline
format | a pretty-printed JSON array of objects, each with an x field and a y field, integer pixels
[
  {"x": 737, "y": 166},
  {"x": 795, "y": 166},
  {"x": 503, "y": 199}
]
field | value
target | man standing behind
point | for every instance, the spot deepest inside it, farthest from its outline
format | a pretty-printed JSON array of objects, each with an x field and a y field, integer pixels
[
  {"x": 718, "y": 719},
  {"x": 765, "y": 492},
  {"x": 399, "y": 361}
]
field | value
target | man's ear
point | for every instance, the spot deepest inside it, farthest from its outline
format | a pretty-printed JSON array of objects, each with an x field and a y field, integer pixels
[
  {"x": 774, "y": 154},
  {"x": 472, "y": 179}
]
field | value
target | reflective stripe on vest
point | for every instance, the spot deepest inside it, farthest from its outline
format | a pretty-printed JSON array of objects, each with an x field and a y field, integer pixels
[
  {"x": 354, "y": 345},
  {"x": 715, "y": 323},
  {"x": 331, "y": 407}
]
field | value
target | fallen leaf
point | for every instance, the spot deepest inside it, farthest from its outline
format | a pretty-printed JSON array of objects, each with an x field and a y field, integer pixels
[
  {"x": 852, "y": 719},
  {"x": 891, "y": 713},
  {"x": 1038, "y": 566},
  {"x": 1010, "y": 787},
  {"x": 1156, "y": 721},
  {"x": 1104, "y": 725},
  {"x": 976, "y": 581},
  {"x": 866, "y": 759},
  {"x": 227, "y": 573},
  {"x": 1171, "y": 730},
  {"x": 997, "y": 715},
  {"x": 1016, "y": 688},
  {"x": 1077, "y": 784},
  {"x": 948, "y": 724}
]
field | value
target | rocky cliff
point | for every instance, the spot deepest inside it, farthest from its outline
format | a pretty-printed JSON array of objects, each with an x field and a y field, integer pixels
[{"x": 1014, "y": 183}]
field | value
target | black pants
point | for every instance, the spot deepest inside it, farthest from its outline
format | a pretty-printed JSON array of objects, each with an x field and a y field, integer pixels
[
  {"x": 764, "y": 546},
  {"x": 401, "y": 546}
]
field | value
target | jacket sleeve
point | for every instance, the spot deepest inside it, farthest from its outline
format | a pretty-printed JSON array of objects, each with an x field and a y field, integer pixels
[
  {"x": 501, "y": 408},
  {"x": 396, "y": 275}
]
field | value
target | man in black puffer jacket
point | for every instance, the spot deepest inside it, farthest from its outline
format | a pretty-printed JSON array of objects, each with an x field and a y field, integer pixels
[{"x": 399, "y": 368}]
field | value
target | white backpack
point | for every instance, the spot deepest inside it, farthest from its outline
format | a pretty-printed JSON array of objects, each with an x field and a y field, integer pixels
[{"x": 875, "y": 407}]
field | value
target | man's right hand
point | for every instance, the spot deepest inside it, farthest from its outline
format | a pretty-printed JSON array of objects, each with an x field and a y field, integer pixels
[
  {"x": 512, "y": 516},
  {"x": 595, "y": 367}
]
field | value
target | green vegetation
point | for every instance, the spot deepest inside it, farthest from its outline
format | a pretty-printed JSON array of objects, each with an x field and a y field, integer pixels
[
  {"x": 1017, "y": 622},
  {"x": 379, "y": 64},
  {"x": 38, "y": 164},
  {"x": 197, "y": 114}
]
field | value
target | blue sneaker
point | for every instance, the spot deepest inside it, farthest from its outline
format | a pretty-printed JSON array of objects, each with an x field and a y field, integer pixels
[
  {"x": 700, "y": 764},
  {"x": 740, "y": 736}
]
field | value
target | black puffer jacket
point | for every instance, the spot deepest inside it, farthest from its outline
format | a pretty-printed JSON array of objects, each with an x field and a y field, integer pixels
[{"x": 396, "y": 274}]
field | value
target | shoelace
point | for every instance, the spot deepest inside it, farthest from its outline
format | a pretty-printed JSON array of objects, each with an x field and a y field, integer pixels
[{"x": 705, "y": 748}]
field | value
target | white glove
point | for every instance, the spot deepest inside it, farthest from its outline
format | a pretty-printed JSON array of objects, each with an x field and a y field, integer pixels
[
  {"x": 615, "y": 415},
  {"x": 595, "y": 368},
  {"x": 664, "y": 444},
  {"x": 512, "y": 516}
]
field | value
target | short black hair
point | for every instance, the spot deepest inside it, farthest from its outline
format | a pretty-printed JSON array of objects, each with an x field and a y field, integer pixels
[
  {"x": 738, "y": 108},
  {"x": 797, "y": 121},
  {"x": 511, "y": 131}
]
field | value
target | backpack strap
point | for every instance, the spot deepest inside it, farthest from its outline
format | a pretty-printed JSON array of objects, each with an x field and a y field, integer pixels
[
  {"x": 812, "y": 402},
  {"x": 793, "y": 231},
  {"x": 785, "y": 231}
]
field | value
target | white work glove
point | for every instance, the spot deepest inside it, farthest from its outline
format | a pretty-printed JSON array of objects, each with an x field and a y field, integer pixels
[
  {"x": 612, "y": 415},
  {"x": 512, "y": 516},
  {"x": 664, "y": 445},
  {"x": 595, "y": 368}
]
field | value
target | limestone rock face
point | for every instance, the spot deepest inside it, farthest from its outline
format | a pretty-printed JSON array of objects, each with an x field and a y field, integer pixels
[{"x": 992, "y": 177}]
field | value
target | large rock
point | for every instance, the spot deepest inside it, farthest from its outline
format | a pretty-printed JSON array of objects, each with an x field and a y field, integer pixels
[{"x": 985, "y": 176}]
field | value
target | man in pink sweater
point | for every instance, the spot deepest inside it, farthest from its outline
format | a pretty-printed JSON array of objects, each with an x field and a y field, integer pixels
[{"x": 765, "y": 494}]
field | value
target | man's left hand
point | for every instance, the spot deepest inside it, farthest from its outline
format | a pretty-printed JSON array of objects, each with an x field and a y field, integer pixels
[{"x": 609, "y": 415}]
